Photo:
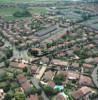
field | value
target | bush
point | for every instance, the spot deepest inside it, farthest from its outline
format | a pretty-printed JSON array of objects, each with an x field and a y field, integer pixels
[
  {"x": 20, "y": 96},
  {"x": 22, "y": 14},
  {"x": 59, "y": 79},
  {"x": 7, "y": 97},
  {"x": 25, "y": 69},
  {"x": 34, "y": 90},
  {"x": 49, "y": 91}
]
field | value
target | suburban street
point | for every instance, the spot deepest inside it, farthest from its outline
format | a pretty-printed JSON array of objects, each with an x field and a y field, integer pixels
[{"x": 95, "y": 76}]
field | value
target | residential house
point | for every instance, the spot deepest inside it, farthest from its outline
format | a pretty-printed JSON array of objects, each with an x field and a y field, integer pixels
[
  {"x": 33, "y": 97},
  {"x": 2, "y": 94},
  {"x": 26, "y": 87},
  {"x": 82, "y": 92},
  {"x": 89, "y": 66},
  {"x": 51, "y": 84},
  {"x": 70, "y": 74},
  {"x": 61, "y": 96},
  {"x": 34, "y": 69},
  {"x": 45, "y": 60},
  {"x": 85, "y": 80},
  {"x": 18, "y": 65},
  {"x": 21, "y": 78},
  {"x": 60, "y": 62},
  {"x": 48, "y": 75}
]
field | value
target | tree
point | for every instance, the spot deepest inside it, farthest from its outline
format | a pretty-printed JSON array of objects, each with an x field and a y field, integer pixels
[
  {"x": 7, "y": 97},
  {"x": 20, "y": 96},
  {"x": 49, "y": 91},
  {"x": 59, "y": 79},
  {"x": 34, "y": 90},
  {"x": 39, "y": 91},
  {"x": 93, "y": 96},
  {"x": 25, "y": 69},
  {"x": 8, "y": 52},
  {"x": 7, "y": 87},
  {"x": 24, "y": 13},
  {"x": 6, "y": 62}
]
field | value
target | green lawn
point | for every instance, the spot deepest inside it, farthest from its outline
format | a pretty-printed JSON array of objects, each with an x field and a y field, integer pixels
[
  {"x": 29, "y": 1},
  {"x": 7, "y": 13},
  {"x": 38, "y": 10},
  {"x": 10, "y": 11}
]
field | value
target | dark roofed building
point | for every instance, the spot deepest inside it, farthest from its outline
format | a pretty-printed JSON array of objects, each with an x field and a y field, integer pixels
[{"x": 46, "y": 31}]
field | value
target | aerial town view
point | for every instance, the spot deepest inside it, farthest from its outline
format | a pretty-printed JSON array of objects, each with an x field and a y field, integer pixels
[{"x": 48, "y": 49}]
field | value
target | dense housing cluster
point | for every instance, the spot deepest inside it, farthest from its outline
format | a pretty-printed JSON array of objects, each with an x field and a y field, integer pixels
[{"x": 51, "y": 53}]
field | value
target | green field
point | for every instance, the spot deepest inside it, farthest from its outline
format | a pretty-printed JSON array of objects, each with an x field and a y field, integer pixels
[
  {"x": 7, "y": 13},
  {"x": 23, "y": 1},
  {"x": 37, "y": 9},
  {"x": 10, "y": 11}
]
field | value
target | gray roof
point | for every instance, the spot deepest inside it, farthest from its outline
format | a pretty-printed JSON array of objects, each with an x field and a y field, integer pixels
[{"x": 46, "y": 31}]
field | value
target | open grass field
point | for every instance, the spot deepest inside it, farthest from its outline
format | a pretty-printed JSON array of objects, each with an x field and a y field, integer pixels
[
  {"x": 10, "y": 11},
  {"x": 26, "y": 1},
  {"x": 37, "y": 9},
  {"x": 7, "y": 13}
]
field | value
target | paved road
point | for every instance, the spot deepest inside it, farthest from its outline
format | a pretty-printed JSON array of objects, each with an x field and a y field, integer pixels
[
  {"x": 36, "y": 84},
  {"x": 18, "y": 54},
  {"x": 95, "y": 76},
  {"x": 41, "y": 72}
]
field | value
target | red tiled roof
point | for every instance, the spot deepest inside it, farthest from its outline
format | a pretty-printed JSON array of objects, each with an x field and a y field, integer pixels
[
  {"x": 36, "y": 49},
  {"x": 22, "y": 65},
  {"x": 81, "y": 92},
  {"x": 70, "y": 74},
  {"x": 33, "y": 97},
  {"x": 96, "y": 59},
  {"x": 85, "y": 80},
  {"x": 51, "y": 84},
  {"x": 48, "y": 75},
  {"x": 75, "y": 65},
  {"x": 60, "y": 62},
  {"x": 18, "y": 65},
  {"x": 87, "y": 65},
  {"x": 26, "y": 86},
  {"x": 60, "y": 97},
  {"x": 21, "y": 78},
  {"x": 34, "y": 68}
]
